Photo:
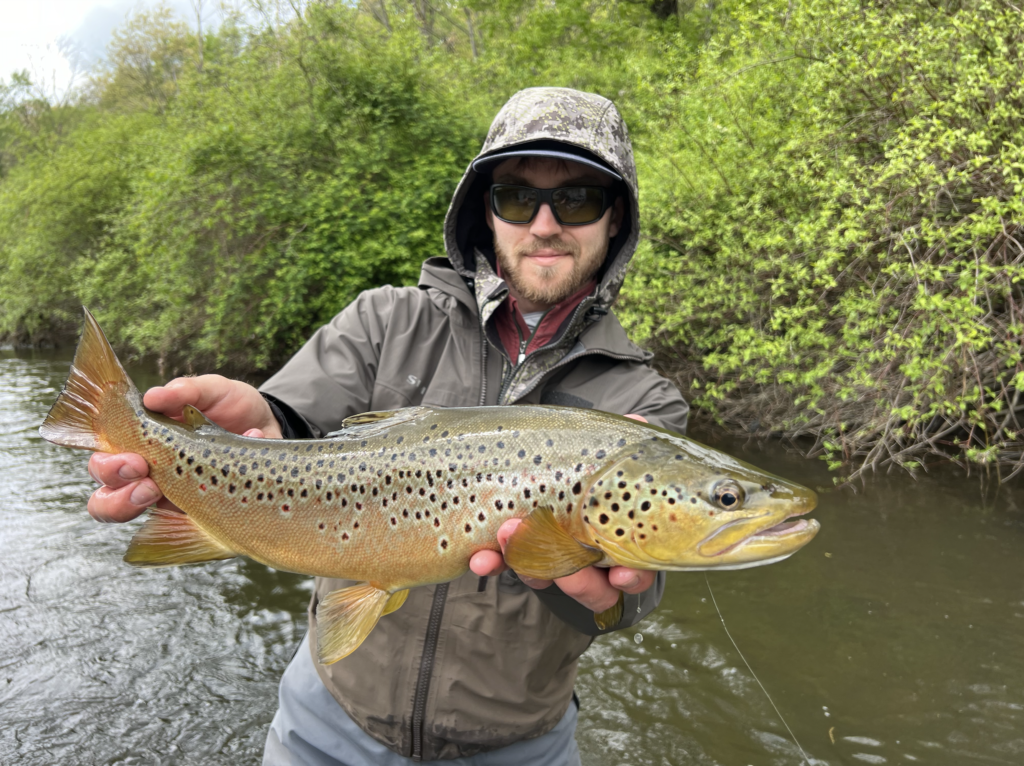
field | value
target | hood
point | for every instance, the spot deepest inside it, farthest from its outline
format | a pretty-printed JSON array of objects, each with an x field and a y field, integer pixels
[{"x": 545, "y": 116}]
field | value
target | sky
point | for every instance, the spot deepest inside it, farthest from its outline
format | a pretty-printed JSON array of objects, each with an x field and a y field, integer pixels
[{"x": 33, "y": 33}]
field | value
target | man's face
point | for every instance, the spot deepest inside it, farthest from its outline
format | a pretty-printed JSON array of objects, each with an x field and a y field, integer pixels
[{"x": 543, "y": 261}]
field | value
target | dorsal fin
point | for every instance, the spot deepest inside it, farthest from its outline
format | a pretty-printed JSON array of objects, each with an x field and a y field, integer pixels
[{"x": 374, "y": 423}]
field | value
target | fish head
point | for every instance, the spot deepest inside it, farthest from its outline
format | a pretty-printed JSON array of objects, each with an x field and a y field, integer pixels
[{"x": 670, "y": 503}]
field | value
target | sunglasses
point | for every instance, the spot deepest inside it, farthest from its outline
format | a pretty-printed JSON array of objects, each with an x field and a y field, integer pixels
[{"x": 572, "y": 205}]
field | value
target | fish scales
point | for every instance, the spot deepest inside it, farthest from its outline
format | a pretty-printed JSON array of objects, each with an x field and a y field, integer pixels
[
  {"x": 401, "y": 499},
  {"x": 407, "y": 507}
]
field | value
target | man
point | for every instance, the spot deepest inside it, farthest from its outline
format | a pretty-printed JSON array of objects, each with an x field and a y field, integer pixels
[{"x": 538, "y": 237}]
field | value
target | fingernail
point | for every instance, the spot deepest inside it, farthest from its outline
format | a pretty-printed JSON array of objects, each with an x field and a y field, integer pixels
[
  {"x": 143, "y": 494},
  {"x": 632, "y": 582},
  {"x": 128, "y": 472}
]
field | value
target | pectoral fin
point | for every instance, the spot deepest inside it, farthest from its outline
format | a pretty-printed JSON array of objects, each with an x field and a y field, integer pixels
[
  {"x": 609, "y": 618},
  {"x": 344, "y": 618},
  {"x": 171, "y": 538},
  {"x": 541, "y": 548}
]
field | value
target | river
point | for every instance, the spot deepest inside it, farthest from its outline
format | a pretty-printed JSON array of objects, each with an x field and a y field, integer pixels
[{"x": 896, "y": 637}]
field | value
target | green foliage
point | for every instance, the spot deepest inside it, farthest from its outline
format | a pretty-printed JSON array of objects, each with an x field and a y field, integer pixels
[
  {"x": 834, "y": 240},
  {"x": 831, "y": 193}
]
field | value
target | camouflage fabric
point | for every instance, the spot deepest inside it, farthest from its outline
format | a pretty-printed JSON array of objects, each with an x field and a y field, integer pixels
[{"x": 584, "y": 120}]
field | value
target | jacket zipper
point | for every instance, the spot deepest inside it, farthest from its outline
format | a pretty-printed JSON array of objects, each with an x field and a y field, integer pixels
[
  {"x": 419, "y": 705},
  {"x": 507, "y": 379}
]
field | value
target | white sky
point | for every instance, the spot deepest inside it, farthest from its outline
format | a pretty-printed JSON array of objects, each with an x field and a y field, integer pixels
[{"x": 31, "y": 32}]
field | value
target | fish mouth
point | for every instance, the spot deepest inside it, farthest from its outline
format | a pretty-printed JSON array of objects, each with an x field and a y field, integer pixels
[
  {"x": 725, "y": 540},
  {"x": 784, "y": 528}
]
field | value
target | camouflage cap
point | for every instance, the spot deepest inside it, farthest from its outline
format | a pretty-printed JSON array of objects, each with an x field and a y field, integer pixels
[{"x": 584, "y": 121}]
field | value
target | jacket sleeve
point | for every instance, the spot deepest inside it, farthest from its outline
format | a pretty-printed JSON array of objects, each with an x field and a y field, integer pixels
[
  {"x": 574, "y": 614},
  {"x": 332, "y": 376}
]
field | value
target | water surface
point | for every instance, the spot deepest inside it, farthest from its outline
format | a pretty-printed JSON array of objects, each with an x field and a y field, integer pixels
[{"x": 895, "y": 637}]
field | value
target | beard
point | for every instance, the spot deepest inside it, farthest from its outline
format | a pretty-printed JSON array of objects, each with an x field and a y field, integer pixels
[{"x": 548, "y": 284}]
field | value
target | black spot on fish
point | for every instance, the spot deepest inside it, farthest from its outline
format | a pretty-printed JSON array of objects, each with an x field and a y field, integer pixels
[
  {"x": 615, "y": 507},
  {"x": 405, "y": 513},
  {"x": 599, "y": 454},
  {"x": 550, "y": 442},
  {"x": 498, "y": 504},
  {"x": 321, "y": 525},
  {"x": 469, "y": 528},
  {"x": 585, "y": 452},
  {"x": 444, "y": 544},
  {"x": 320, "y": 483},
  {"x": 206, "y": 453},
  {"x": 295, "y": 472},
  {"x": 543, "y": 488},
  {"x": 231, "y": 489},
  {"x": 607, "y": 495},
  {"x": 444, "y": 434},
  {"x": 621, "y": 443},
  {"x": 225, "y": 470},
  {"x": 199, "y": 470},
  {"x": 330, "y": 496},
  {"x": 433, "y": 497},
  {"x": 579, "y": 467},
  {"x": 178, "y": 469},
  {"x": 645, "y": 505},
  {"x": 259, "y": 496},
  {"x": 561, "y": 496},
  {"x": 620, "y": 532},
  {"x": 537, "y": 459},
  {"x": 577, "y": 488},
  {"x": 671, "y": 501},
  {"x": 181, "y": 454},
  {"x": 481, "y": 449},
  {"x": 374, "y": 492},
  {"x": 400, "y": 440},
  {"x": 693, "y": 500},
  {"x": 444, "y": 505},
  {"x": 190, "y": 460},
  {"x": 603, "y": 518},
  {"x": 291, "y": 492},
  {"x": 433, "y": 453}
]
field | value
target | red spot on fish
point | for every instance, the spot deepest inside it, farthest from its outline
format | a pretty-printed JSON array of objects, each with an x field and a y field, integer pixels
[
  {"x": 285, "y": 508},
  {"x": 711, "y": 513},
  {"x": 202, "y": 487}
]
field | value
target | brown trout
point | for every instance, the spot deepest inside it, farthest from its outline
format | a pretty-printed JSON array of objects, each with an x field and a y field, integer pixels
[{"x": 400, "y": 499}]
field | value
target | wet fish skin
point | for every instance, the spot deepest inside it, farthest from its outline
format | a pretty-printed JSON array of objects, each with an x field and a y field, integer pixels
[{"x": 405, "y": 498}]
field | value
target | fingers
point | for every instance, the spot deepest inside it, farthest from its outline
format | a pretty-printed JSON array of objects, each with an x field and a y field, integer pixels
[
  {"x": 231, "y": 404},
  {"x": 591, "y": 588},
  {"x": 116, "y": 471},
  {"x": 631, "y": 580},
  {"x": 203, "y": 392},
  {"x": 487, "y": 563},
  {"x": 125, "y": 503},
  {"x": 641, "y": 418}
]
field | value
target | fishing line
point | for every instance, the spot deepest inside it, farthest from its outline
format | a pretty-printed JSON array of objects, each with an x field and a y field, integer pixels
[{"x": 766, "y": 694}]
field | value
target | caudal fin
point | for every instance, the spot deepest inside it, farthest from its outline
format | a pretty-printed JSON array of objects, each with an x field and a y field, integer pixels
[{"x": 95, "y": 375}]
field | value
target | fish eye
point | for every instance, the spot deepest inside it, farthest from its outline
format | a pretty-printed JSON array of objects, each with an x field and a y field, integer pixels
[{"x": 728, "y": 495}]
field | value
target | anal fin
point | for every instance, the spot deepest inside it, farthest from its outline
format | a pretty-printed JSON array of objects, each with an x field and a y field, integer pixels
[
  {"x": 344, "y": 618},
  {"x": 611, "y": 617},
  {"x": 540, "y": 548},
  {"x": 170, "y": 538}
]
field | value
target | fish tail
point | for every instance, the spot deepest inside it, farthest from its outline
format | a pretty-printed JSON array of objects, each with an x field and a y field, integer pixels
[{"x": 96, "y": 380}]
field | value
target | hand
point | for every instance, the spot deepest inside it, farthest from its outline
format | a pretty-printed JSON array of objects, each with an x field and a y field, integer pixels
[
  {"x": 597, "y": 589},
  {"x": 126, "y": 489}
]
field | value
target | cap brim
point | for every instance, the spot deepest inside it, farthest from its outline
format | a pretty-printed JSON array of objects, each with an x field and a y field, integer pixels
[{"x": 487, "y": 163}]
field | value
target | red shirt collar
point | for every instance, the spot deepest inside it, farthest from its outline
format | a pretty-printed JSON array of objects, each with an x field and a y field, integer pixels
[{"x": 511, "y": 325}]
